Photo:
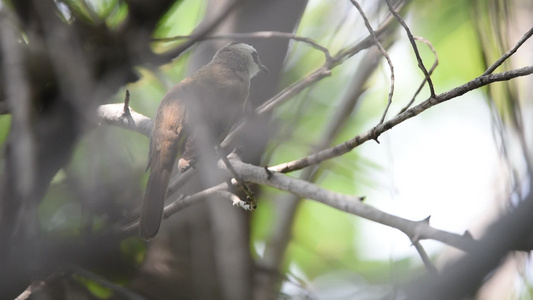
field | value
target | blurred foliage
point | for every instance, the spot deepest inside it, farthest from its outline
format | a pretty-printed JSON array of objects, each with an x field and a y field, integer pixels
[
  {"x": 324, "y": 239},
  {"x": 94, "y": 288}
]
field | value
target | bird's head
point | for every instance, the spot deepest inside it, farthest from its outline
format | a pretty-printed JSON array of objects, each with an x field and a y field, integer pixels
[{"x": 240, "y": 55}]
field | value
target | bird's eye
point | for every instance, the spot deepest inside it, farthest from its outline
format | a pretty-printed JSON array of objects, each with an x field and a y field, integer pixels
[{"x": 254, "y": 56}]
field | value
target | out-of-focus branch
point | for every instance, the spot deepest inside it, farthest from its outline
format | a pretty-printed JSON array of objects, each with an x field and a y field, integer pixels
[
  {"x": 253, "y": 35},
  {"x": 17, "y": 92},
  {"x": 374, "y": 133},
  {"x": 384, "y": 53},
  {"x": 4, "y": 110},
  {"x": 462, "y": 278},
  {"x": 430, "y": 267},
  {"x": 199, "y": 33},
  {"x": 507, "y": 54}
]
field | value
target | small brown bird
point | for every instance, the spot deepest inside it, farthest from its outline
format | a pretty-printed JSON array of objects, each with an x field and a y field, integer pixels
[{"x": 213, "y": 97}]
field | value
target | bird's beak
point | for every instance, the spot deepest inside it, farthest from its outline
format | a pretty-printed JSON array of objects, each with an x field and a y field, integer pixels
[{"x": 263, "y": 68}]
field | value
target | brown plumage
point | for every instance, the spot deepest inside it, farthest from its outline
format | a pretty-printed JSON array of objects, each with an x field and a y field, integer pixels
[{"x": 213, "y": 97}]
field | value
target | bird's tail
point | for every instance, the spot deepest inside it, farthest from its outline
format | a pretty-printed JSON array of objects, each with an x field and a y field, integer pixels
[{"x": 153, "y": 202}]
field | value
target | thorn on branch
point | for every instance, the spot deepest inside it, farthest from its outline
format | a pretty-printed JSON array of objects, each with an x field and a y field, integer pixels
[
  {"x": 127, "y": 104},
  {"x": 426, "y": 220},
  {"x": 467, "y": 234},
  {"x": 268, "y": 172},
  {"x": 362, "y": 198}
]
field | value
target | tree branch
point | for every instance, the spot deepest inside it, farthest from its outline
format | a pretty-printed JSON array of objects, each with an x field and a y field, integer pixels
[
  {"x": 115, "y": 114},
  {"x": 379, "y": 129}
]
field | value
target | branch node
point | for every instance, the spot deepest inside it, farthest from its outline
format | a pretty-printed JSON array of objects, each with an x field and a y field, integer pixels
[
  {"x": 415, "y": 239},
  {"x": 250, "y": 197}
]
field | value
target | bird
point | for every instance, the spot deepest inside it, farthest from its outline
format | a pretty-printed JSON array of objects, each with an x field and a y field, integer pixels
[{"x": 213, "y": 98}]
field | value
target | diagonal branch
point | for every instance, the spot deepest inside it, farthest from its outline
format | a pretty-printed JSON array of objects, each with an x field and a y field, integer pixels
[{"x": 377, "y": 130}]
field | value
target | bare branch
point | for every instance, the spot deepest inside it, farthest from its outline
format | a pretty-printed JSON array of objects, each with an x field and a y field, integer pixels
[
  {"x": 415, "y": 48},
  {"x": 379, "y": 129},
  {"x": 18, "y": 101}
]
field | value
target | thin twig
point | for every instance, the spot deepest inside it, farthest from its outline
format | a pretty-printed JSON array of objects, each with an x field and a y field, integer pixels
[
  {"x": 507, "y": 54},
  {"x": 254, "y": 35},
  {"x": 423, "y": 40},
  {"x": 384, "y": 53},
  {"x": 415, "y": 48}
]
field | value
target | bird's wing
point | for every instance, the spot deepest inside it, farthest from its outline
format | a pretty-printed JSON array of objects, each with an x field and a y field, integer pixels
[{"x": 166, "y": 142}]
